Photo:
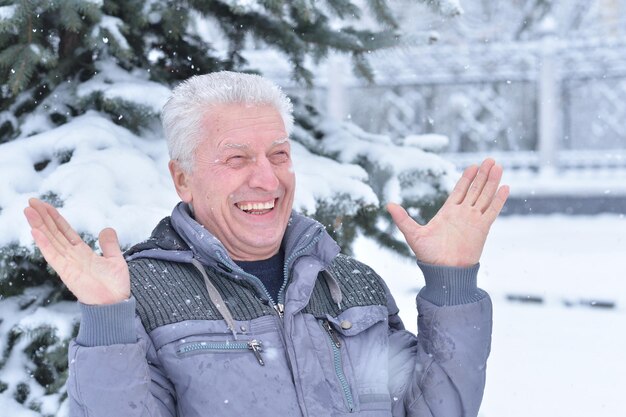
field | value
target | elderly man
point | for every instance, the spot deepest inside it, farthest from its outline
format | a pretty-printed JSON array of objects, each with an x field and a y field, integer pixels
[{"x": 236, "y": 305}]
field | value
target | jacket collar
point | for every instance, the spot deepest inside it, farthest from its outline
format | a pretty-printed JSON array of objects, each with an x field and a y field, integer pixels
[{"x": 180, "y": 238}]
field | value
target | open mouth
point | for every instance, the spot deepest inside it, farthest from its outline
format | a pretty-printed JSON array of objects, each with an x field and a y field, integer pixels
[{"x": 257, "y": 208}]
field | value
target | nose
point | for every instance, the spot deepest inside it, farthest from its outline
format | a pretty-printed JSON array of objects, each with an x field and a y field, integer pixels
[{"x": 263, "y": 176}]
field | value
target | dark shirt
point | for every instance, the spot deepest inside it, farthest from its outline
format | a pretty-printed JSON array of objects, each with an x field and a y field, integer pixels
[{"x": 269, "y": 271}]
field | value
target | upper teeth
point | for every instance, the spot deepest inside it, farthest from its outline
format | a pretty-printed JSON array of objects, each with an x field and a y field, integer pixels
[{"x": 256, "y": 206}]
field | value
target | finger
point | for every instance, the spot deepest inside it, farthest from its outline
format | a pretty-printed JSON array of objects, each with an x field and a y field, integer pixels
[
  {"x": 63, "y": 226},
  {"x": 402, "y": 219},
  {"x": 478, "y": 182},
  {"x": 489, "y": 191},
  {"x": 37, "y": 222},
  {"x": 497, "y": 203},
  {"x": 109, "y": 243},
  {"x": 50, "y": 253},
  {"x": 462, "y": 185}
]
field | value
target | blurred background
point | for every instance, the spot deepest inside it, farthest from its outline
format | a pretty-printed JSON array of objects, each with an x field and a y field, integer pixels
[{"x": 392, "y": 100}]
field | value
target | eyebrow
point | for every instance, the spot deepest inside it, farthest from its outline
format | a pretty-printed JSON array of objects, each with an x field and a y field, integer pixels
[
  {"x": 280, "y": 141},
  {"x": 236, "y": 146},
  {"x": 244, "y": 146}
]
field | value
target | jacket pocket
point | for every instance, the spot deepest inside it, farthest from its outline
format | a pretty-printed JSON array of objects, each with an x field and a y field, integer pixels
[
  {"x": 192, "y": 348},
  {"x": 363, "y": 332},
  {"x": 353, "y": 352}
]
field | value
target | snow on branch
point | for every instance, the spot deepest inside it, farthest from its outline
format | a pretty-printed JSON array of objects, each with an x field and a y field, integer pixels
[{"x": 397, "y": 173}]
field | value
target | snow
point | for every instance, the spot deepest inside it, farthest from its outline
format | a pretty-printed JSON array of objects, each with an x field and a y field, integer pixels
[
  {"x": 117, "y": 179},
  {"x": 113, "y": 25},
  {"x": 428, "y": 142},
  {"x": 323, "y": 179},
  {"x": 113, "y": 178},
  {"x": 55, "y": 316},
  {"x": 244, "y": 6},
  {"x": 133, "y": 87},
  {"x": 7, "y": 12},
  {"x": 15, "y": 313},
  {"x": 404, "y": 178},
  {"x": 556, "y": 358},
  {"x": 14, "y": 409},
  {"x": 583, "y": 182},
  {"x": 448, "y": 7},
  {"x": 351, "y": 143}
]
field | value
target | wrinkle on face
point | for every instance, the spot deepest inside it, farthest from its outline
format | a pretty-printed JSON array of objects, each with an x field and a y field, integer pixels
[{"x": 244, "y": 157}]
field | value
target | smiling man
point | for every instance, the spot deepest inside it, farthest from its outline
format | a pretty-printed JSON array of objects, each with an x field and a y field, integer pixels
[
  {"x": 237, "y": 305},
  {"x": 246, "y": 148}
]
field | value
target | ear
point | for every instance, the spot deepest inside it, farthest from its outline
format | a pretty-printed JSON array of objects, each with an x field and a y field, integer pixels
[{"x": 181, "y": 180}]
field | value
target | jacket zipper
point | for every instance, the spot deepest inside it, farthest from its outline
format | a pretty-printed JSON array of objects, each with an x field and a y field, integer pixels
[
  {"x": 278, "y": 308},
  {"x": 253, "y": 345},
  {"x": 335, "y": 345},
  {"x": 292, "y": 257},
  {"x": 278, "y": 305}
]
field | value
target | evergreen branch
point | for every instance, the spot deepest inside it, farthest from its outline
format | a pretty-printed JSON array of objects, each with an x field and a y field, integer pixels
[
  {"x": 382, "y": 12},
  {"x": 114, "y": 46},
  {"x": 344, "y": 8},
  {"x": 70, "y": 18},
  {"x": 447, "y": 8},
  {"x": 19, "y": 78},
  {"x": 275, "y": 7},
  {"x": 302, "y": 74},
  {"x": 304, "y": 11},
  {"x": 29, "y": 29},
  {"x": 90, "y": 10},
  {"x": 362, "y": 68},
  {"x": 272, "y": 31},
  {"x": 8, "y": 57},
  {"x": 373, "y": 41},
  {"x": 174, "y": 21},
  {"x": 320, "y": 33},
  {"x": 367, "y": 220}
]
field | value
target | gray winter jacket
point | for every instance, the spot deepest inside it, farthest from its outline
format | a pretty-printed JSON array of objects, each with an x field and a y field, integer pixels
[{"x": 200, "y": 337}]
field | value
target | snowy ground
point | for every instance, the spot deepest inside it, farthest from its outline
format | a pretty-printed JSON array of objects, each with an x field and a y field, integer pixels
[{"x": 559, "y": 357}]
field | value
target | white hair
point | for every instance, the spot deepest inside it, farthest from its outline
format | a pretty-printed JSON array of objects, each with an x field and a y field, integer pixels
[{"x": 192, "y": 100}]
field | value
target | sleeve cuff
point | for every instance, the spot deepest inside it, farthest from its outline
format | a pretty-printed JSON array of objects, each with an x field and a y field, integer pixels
[
  {"x": 103, "y": 325},
  {"x": 450, "y": 285}
]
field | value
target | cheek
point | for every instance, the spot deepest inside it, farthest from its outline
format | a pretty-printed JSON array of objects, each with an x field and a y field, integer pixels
[{"x": 287, "y": 175}]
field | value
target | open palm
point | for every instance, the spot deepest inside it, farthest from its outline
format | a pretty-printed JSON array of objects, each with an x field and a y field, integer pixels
[
  {"x": 457, "y": 234},
  {"x": 92, "y": 278}
]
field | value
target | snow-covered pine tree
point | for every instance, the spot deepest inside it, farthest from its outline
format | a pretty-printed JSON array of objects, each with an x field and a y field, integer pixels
[{"x": 82, "y": 83}]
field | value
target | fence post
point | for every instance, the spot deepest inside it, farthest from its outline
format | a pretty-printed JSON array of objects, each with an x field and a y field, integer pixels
[
  {"x": 549, "y": 102},
  {"x": 336, "y": 93}
]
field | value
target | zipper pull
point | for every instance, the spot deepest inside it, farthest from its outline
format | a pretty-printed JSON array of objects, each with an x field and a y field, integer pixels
[
  {"x": 255, "y": 347},
  {"x": 331, "y": 333},
  {"x": 280, "y": 309}
]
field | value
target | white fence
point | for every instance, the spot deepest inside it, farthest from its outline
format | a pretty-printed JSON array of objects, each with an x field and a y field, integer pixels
[{"x": 551, "y": 103}]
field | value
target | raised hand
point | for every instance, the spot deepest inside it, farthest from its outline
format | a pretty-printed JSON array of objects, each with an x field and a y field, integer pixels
[
  {"x": 92, "y": 278},
  {"x": 456, "y": 235}
]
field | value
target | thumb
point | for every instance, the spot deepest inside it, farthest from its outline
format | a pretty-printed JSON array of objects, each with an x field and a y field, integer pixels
[
  {"x": 109, "y": 244},
  {"x": 402, "y": 219}
]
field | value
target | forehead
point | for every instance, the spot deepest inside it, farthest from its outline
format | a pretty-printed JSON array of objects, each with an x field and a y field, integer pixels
[{"x": 242, "y": 124}]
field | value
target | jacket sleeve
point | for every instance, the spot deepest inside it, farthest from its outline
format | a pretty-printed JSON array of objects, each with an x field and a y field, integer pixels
[
  {"x": 441, "y": 371},
  {"x": 114, "y": 369}
]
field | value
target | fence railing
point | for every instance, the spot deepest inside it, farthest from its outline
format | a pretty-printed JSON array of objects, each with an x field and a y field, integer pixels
[{"x": 549, "y": 103}]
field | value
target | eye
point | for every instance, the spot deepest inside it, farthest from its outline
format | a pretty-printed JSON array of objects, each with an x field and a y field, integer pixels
[
  {"x": 236, "y": 160},
  {"x": 279, "y": 157}
]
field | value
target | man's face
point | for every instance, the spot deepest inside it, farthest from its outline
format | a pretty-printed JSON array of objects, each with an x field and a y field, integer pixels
[{"x": 242, "y": 184}]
